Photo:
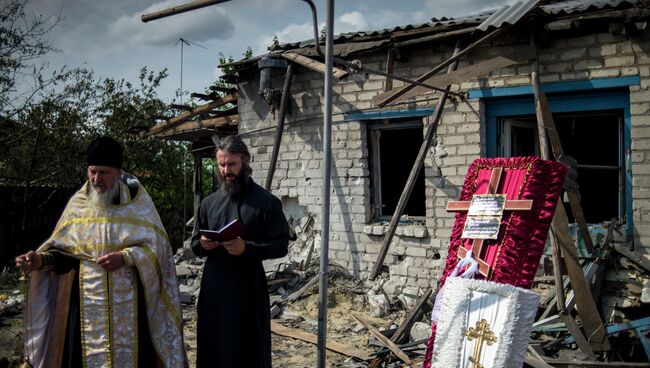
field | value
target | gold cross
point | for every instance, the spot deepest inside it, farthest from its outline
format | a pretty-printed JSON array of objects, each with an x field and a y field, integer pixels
[{"x": 482, "y": 334}]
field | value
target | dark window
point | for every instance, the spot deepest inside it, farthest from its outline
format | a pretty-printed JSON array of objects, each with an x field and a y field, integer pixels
[
  {"x": 394, "y": 146},
  {"x": 595, "y": 141}
]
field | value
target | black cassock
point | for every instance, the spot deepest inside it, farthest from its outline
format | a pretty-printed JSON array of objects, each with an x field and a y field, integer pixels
[{"x": 233, "y": 326}]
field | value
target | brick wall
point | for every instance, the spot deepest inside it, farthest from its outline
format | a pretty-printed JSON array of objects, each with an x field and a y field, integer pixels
[{"x": 417, "y": 253}]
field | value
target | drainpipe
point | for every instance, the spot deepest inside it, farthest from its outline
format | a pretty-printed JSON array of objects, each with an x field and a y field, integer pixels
[{"x": 325, "y": 210}]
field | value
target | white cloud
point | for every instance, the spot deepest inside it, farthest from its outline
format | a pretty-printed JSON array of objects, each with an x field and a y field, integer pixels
[
  {"x": 206, "y": 24},
  {"x": 291, "y": 33},
  {"x": 352, "y": 21},
  {"x": 455, "y": 8}
]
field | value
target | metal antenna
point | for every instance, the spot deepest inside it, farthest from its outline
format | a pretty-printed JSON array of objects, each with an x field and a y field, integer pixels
[{"x": 184, "y": 42}]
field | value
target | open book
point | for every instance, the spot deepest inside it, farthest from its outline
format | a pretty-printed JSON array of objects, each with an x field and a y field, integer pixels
[{"x": 233, "y": 230}]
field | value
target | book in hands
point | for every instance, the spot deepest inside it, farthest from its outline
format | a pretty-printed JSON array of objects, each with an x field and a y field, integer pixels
[{"x": 233, "y": 230}]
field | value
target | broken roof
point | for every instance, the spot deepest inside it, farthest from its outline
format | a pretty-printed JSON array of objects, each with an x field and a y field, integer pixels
[{"x": 349, "y": 43}]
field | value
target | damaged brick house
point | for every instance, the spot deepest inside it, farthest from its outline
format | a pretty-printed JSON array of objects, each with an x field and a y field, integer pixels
[{"x": 593, "y": 61}]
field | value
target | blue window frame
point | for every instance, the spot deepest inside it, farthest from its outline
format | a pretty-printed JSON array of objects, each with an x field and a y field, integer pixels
[
  {"x": 611, "y": 94},
  {"x": 387, "y": 131}
]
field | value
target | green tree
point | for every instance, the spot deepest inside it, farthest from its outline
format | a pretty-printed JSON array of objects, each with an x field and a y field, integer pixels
[
  {"x": 248, "y": 53},
  {"x": 275, "y": 43},
  {"x": 46, "y": 127}
]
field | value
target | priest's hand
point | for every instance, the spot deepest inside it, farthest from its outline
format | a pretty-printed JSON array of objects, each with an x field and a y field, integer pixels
[
  {"x": 208, "y": 244},
  {"x": 111, "y": 261},
  {"x": 29, "y": 262},
  {"x": 235, "y": 247}
]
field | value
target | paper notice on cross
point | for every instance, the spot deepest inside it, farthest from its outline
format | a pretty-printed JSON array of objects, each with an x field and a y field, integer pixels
[
  {"x": 487, "y": 205},
  {"x": 481, "y": 227}
]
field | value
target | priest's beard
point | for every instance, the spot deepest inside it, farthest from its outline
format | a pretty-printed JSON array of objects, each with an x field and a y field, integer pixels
[
  {"x": 104, "y": 199},
  {"x": 234, "y": 186}
]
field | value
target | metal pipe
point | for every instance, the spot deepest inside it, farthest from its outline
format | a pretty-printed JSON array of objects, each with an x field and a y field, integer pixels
[
  {"x": 180, "y": 9},
  {"x": 356, "y": 65},
  {"x": 325, "y": 209}
]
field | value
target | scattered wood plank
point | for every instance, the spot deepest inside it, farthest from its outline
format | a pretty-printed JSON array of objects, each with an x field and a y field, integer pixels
[
  {"x": 297, "y": 294},
  {"x": 558, "y": 363},
  {"x": 631, "y": 255},
  {"x": 313, "y": 64},
  {"x": 334, "y": 346},
  {"x": 386, "y": 341},
  {"x": 535, "y": 362}
]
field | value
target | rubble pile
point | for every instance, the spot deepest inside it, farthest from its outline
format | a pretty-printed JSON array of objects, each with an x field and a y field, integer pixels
[{"x": 369, "y": 327}]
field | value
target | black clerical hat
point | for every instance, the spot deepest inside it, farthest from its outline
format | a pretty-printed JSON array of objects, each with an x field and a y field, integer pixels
[{"x": 105, "y": 151}]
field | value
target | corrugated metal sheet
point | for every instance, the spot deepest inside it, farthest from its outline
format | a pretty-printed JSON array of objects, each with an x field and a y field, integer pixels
[
  {"x": 509, "y": 15},
  {"x": 580, "y": 6},
  {"x": 490, "y": 19},
  {"x": 495, "y": 18}
]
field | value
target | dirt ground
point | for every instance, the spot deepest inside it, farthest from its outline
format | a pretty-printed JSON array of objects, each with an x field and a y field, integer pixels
[
  {"x": 303, "y": 315},
  {"x": 287, "y": 352}
]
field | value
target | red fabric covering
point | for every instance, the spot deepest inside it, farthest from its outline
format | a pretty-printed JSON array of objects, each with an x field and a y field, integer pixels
[{"x": 515, "y": 254}]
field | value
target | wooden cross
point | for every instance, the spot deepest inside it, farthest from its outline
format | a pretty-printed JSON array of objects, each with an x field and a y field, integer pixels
[
  {"x": 510, "y": 205},
  {"x": 482, "y": 334}
]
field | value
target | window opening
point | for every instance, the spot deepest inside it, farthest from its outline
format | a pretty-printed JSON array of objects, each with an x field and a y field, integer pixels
[
  {"x": 595, "y": 141},
  {"x": 394, "y": 146}
]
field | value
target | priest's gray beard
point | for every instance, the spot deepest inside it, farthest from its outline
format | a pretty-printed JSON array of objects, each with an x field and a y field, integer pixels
[{"x": 104, "y": 199}]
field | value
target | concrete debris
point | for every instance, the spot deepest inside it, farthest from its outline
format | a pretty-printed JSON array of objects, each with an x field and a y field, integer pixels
[{"x": 420, "y": 331}]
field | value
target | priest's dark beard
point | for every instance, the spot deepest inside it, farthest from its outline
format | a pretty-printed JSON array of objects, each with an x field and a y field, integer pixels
[{"x": 235, "y": 186}]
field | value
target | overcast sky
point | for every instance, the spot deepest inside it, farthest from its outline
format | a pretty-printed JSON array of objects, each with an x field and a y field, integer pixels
[{"x": 110, "y": 38}]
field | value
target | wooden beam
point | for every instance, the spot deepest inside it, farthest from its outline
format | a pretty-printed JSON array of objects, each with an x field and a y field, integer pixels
[
  {"x": 566, "y": 317},
  {"x": 543, "y": 111},
  {"x": 414, "y": 315},
  {"x": 410, "y": 182},
  {"x": 181, "y": 107},
  {"x": 334, "y": 346},
  {"x": 284, "y": 106},
  {"x": 297, "y": 294},
  {"x": 212, "y": 123},
  {"x": 587, "y": 310},
  {"x": 634, "y": 257},
  {"x": 180, "y": 9},
  {"x": 384, "y": 340},
  {"x": 313, "y": 64},
  {"x": 435, "y": 37},
  {"x": 187, "y": 115},
  {"x": 390, "y": 68},
  {"x": 460, "y": 75},
  {"x": 197, "y": 184},
  {"x": 453, "y": 58}
]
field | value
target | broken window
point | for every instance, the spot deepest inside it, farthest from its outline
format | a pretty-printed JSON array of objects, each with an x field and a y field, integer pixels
[
  {"x": 393, "y": 149},
  {"x": 595, "y": 140},
  {"x": 594, "y": 123}
]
